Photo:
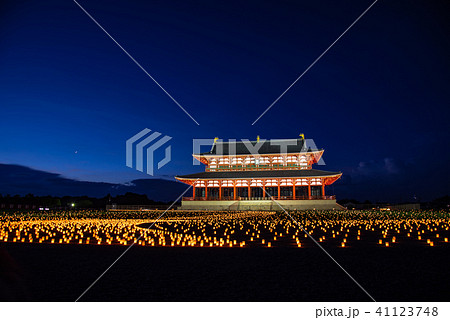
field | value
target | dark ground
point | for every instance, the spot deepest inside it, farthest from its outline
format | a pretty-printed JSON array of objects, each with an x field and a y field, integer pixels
[{"x": 43, "y": 272}]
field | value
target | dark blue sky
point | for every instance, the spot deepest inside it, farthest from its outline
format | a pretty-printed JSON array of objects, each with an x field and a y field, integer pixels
[{"x": 377, "y": 102}]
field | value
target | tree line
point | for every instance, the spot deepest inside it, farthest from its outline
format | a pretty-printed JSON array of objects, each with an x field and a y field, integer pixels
[{"x": 30, "y": 201}]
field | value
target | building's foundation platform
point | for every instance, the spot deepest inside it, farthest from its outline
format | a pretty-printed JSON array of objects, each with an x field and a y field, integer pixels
[{"x": 270, "y": 205}]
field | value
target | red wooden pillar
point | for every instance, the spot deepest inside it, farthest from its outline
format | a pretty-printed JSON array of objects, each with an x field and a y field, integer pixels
[
  {"x": 278, "y": 184},
  {"x": 234, "y": 190},
  {"x": 193, "y": 192},
  {"x": 264, "y": 189},
  {"x": 309, "y": 188},
  {"x": 293, "y": 190},
  {"x": 249, "y": 194},
  {"x": 220, "y": 191},
  {"x": 206, "y": 189},
  {"x": 323, "y": 189}
]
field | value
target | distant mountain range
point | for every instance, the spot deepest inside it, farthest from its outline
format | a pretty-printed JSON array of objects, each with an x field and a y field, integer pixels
[{"x": 21, "y": 180}]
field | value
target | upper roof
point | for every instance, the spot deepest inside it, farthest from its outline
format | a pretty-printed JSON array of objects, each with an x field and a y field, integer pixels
[
  {"x": 270, "y": 146},
  {"x": 259, "y": 174}
]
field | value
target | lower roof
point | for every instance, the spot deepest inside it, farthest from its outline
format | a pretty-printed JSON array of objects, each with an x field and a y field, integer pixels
[{"x": 259, "y": 174}]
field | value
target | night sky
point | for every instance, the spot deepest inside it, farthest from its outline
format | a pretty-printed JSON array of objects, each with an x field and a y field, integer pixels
[{"x": 377, "y": 102}]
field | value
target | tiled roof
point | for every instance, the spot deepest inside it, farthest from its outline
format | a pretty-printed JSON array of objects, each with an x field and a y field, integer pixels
[
  {"x": 259, "y": 174},
  {"x": 272, "y": 146}
]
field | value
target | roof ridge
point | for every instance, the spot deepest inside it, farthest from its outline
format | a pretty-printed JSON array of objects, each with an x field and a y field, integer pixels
[{"x": 264, "y": 140}]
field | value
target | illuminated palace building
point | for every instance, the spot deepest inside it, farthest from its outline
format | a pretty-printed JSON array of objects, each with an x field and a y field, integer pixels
[{"x": 244, "y": 175}]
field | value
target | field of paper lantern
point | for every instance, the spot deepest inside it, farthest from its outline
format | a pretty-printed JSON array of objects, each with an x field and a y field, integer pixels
[{"x": 342, "y": 229}]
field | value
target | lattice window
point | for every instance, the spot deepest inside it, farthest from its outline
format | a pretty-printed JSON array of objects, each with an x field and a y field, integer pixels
[
  {"x": 227, "y": 183},
  {"x": 277, "y": 160},
  {"x": 256, "y": 183},
  {"x": 291, "y": 159},
  {"x": 303, "y": 160},
  {"x": 286, "y": 182},
  {"x": 199, "y": 184},
  {"x": 316, "y": 182},
  {"x": 213, "y": 183},
  {"x": 224, "y": 161},
  {"x": 249, "y": 160},
  {"x": 264, "y": 160},
  {"x": 271, "y": 183},
  {"x": 213, "y": 163},
  {"x": 236, "y": 161},
  {"x": 301, "y": 182},
  {"x": 241, "y": 183}
]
